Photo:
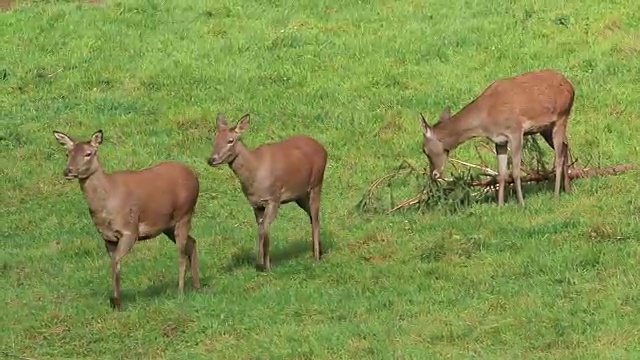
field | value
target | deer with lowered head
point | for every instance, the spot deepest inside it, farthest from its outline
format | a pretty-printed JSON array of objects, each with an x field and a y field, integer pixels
[
  {"x": 273, "y": 174},
  {"x": 131, "y": 205},
  {"x": 536, "y": 102}
]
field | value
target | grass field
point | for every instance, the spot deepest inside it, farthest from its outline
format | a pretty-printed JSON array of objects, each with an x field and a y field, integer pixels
[{"x": 550, "y": 280}]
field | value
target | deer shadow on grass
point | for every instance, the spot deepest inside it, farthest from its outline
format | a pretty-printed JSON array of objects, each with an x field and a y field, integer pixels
[
  {"x": 165, "y": 288},
  {"x": 247, "y": 256}
]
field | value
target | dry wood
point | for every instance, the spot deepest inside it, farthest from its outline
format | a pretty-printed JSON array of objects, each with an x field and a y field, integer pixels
[
  {"x": 574, "y": 173},
  {"x": 490, "y": 181}
]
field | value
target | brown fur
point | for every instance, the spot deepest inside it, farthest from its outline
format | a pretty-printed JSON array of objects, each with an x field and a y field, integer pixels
[
  {"x": 274, "y": 174},
  {"x": 506, "y": 111},
  {"x": 131, "y": 205}
]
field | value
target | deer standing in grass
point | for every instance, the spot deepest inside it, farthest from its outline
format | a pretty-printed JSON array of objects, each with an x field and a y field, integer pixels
[
  {"x": 273, "y": 174},
  {"x": 132, "y": 205},
  {"x": 506, "y": 111}
]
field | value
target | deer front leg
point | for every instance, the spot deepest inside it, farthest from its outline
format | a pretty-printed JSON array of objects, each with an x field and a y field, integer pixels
[
  {"x": 270, "y": 213},
  {"x": 259, "y": 214},
  {"x": 115, "y": 273},
  {"x": 117, "y": 250},
  {"x": 501, "y": 152}
]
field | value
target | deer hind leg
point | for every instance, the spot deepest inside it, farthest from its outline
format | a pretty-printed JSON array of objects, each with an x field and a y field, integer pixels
[
  {"x": 181, "y": 238},
  {"x": 565, "y": 161},
  {"x": 565, "y": 167},
  {"x": 192, "y": 255},
  {"x": 516, "y": 159},
  {"x": 561, "y": 155},
  {"x": 501, "y": 152},
  {"x": 305, "y": 203},
  {"x": 314, "y": 203}
]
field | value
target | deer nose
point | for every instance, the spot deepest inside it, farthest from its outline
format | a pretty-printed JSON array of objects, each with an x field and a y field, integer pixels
[
  {"x": 67, "y": 172},
  {"x": 213, "y": 160}
]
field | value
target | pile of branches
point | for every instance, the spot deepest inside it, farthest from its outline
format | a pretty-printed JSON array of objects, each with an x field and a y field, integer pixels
[{"x": 470, "y": 183}]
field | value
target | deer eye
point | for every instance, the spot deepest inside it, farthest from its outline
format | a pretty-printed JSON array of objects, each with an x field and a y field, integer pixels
[
  {"x": 230, "y": 141},
  {"x": 88, "y": 154}
]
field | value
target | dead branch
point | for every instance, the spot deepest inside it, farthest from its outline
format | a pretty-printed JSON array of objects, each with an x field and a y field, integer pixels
[
  {"x": 490, "y": 182},
  {"x": 456, "y": 191},
  {"x": 549, "y": 176}
]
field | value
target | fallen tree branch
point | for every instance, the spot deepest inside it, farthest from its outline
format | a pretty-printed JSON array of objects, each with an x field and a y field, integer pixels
[
  {"x": 488, "y": 182},
  {"x": 548, "y": 176}
]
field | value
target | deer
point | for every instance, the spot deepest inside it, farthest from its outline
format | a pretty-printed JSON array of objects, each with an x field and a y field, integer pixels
[
  {"x": 134, "y": 205},
  {"x": 272, "y": 174},
  {"x": 535, "y": 102}
]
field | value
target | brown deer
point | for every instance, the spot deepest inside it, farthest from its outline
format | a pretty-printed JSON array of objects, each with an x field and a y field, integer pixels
[
  {"x": 506, "y": 111},
  {"x": 132, "y": 205},
  {"x": 273, "y": 174}
]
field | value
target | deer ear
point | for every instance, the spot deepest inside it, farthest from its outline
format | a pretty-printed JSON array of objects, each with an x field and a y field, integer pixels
[
  {"x": 446, "y": 114},
  {"x": 426, "y": 128},
  {"x": 64, "y": 139},
  {"x": 96, "y": 138},
  {"x": 222, "y": 120},
  {"x": 243, "y": 124}
]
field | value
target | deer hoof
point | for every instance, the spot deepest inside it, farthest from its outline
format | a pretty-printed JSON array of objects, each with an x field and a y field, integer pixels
[
  {"x": 263, "y": 268},
  {"x": 115, "y": 303}
]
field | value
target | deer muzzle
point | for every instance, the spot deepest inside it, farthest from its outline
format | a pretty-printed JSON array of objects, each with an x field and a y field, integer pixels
[
  {"x": 69, "y": 174},
  {"x": 214, "y": 160}
]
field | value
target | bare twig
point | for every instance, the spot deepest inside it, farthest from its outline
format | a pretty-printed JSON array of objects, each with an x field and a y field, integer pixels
[
  {"x": 486, "y": 170},
  {"x": 55, "y": 72},
  {"x": 414, "y": 200}
]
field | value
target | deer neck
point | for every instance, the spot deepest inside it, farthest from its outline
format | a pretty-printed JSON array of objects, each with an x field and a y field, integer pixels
[
  {"x": 459, "y": 128},
  {"x": 244, "y": 165},
  {"x": 96, "y": 189}
]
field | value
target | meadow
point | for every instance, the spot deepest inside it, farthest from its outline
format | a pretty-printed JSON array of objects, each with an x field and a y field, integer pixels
[{"x": 555, "y": 280}]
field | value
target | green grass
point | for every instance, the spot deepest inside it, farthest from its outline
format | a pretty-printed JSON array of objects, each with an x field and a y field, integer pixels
[{"x": 550, "y": 280}]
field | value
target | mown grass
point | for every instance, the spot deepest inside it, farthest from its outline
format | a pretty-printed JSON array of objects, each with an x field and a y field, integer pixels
[{"x": 550, "y": 280}]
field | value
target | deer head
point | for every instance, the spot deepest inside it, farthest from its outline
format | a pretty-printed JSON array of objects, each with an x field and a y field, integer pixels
[
  {"x": 226, "y": 139},
  {"x": 432, "y": 147},
  {"x": 82, "y": 159}
]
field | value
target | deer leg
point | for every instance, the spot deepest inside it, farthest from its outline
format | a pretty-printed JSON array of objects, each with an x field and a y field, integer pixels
[
  {"x": 558, "y": 145},
  {"x": 181, "y": 233},
  {"x": 115, "y": 273},
  {"x": 516, "y": 160},
  {"x": 565, "y": 166},
  {"x": 192, "y": 253},
  {"x": 259, "y": 213},
  {"x": 565, "y": 156},
  {"x": 314, "y": 204},
  {"x": 501, "y": 152},
  {"x": 547, "y": 135},
  {"x": 304, "y": 203},
  {"x": 270, "y": 213},
  {"x": 117, "y": 250}
]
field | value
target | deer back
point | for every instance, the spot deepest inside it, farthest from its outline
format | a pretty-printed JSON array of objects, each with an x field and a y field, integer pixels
[
  {"x": 292, "y": 166},
  {"x": 161, "y": 194},
  {"x": 535, "y": 98}
]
